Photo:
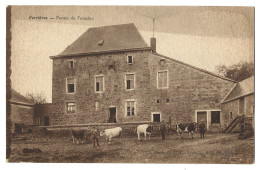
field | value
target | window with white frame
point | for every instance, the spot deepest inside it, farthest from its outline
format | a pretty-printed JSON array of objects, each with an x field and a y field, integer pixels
[
  {"x": 99, "y": 83},
  {"x": 71, "y": 85},
  {"x": 71, "y": 107},
  {"x": 130, "y": 81},
  {"x": 130, "y": 108},
  {"x": 162, "y": 79}
]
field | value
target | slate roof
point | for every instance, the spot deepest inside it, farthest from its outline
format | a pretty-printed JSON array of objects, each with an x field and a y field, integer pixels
[
  {"x": 17, "y": 98},
  {"x": 241, "y": 89},
  {"x": 107, "y": 38}
]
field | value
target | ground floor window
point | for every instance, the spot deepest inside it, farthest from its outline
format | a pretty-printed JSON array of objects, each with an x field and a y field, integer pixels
[
  {"x": 156, "y": 117},
  {"x": 130, "y": 108},
  {"x": 39, "y": 120},
  {"x": 215, "y": 116}
]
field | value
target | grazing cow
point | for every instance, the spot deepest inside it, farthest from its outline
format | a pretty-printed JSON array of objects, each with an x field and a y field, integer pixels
[
  {"x": 188, "y": 127},
  {"x": 111, "y": 133},
  {"x": 145, "y": 129},
  {"x": 78, "y": 135},
  {"x": 93, "y": 134}
]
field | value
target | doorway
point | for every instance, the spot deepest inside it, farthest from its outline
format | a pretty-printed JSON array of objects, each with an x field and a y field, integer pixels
[
  {"x": 202, "y": 116},
  {"x": 46, "y": 121},
  {"x": 112, "y": 115}
]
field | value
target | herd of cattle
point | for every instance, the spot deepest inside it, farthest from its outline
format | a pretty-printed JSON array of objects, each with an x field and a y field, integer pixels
[{"x": 93, "y": 134}]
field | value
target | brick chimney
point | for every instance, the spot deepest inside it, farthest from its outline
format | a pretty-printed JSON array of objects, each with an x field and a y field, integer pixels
[{"x": 153, "y": 44}]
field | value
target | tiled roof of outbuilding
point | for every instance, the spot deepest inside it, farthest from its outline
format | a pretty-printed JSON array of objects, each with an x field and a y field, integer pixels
[
  {"x": 241, "y": 89},
  {"x": 107, "y": 38},
  {"x": 19, "y": 99}
]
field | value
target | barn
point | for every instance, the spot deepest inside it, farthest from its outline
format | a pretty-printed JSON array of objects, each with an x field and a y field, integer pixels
[
  {"x": 238, "y": 105},
  {"x": 110, "y": 75},
  {"x": 22, "y": 113}
]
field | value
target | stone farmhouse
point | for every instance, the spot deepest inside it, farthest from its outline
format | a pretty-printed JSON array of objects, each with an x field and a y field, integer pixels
[{"x": 110, "y": 75}]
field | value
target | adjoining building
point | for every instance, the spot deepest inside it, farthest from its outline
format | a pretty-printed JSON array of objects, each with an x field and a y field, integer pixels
[
  {"x": 240, "y": 102},
  {"x": 109, "y": 74},
  {"x": 22, "y": 113}
]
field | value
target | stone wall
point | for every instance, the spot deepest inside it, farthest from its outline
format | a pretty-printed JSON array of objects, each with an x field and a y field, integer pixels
[
  {"x": 189, "y": 89},
  {"x": 41, "y": 111}
]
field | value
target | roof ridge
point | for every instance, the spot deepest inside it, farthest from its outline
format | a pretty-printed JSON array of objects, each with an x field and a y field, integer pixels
[
  {"x": 197, "y": 68},
  {"x": 111, "y": 25}
]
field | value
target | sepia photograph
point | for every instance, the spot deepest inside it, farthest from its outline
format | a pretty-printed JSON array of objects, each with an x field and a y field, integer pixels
[{"x": 130, "y": 84}]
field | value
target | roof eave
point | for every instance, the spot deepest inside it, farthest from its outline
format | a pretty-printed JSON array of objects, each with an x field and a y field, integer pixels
[
  {"x": 237, "y": 98},
  {"x": 101, "y": 52}
]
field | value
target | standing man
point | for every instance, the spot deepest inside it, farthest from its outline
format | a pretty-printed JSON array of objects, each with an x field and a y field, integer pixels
[
  {"x": 202, "y": 128},
  {"x": 163, "y": 130}
]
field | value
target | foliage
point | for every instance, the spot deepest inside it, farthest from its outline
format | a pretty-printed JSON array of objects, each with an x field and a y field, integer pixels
[
  {"x": 238, "y": 72},
  {"x": 36, "y": 98}
]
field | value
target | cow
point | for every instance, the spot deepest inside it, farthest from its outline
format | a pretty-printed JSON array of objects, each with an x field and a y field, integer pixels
[
  {"x": 93, "y": 134},
  {"x": 188, "y": 127},
  {"x": 111, "y": 133},
  {"x": 78, "y": 135},
  {"x": 146, "y": 129}
]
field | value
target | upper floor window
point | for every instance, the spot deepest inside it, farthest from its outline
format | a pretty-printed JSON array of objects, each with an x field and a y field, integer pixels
[
  {"x": 99, "y": 84},
  {"x": 130, "y": 108},
  {"x": 130, "y": 59},
  {"x": 130, "y": 81},
  {"x": 71, "y": 85},
  {"x": 71, "y": 107},
  {"x": 71, "y": 64},
  {"x": 162, "y": 79}
]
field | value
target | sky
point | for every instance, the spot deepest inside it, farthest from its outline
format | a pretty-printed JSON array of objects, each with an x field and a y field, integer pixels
[{"x": 204, "y": 37}]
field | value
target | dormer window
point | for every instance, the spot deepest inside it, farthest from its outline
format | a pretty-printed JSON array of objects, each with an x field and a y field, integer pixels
[{"x": 130, "y": 59}]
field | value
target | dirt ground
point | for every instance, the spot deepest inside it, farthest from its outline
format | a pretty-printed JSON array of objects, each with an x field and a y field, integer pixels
[{"x": 214, "y": 148}]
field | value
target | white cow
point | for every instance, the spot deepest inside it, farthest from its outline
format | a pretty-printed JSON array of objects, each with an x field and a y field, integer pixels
[
  {"x": 145, "y": 129},
  {"x": 111, "y": 133}
]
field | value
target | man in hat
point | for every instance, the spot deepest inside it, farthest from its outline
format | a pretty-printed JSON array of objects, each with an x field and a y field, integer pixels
[
  {"x": 163, "y": 129},
  {"x": 202, "y": 128}
]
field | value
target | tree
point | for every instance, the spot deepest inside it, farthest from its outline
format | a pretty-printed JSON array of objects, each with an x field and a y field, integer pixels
[
  {"x": 36, "y": 98},
  {"x": 238, "y": 72}
]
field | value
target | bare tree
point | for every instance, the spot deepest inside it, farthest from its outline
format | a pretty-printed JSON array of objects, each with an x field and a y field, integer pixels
[{"x": 37, "y": 98}]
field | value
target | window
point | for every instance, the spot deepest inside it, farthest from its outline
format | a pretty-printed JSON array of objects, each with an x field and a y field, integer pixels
[
  {"x": 130, "y": 59},
  {"x": 99, "y": 84},
  {"x": 96, "y": 105},
  {"x": 158, "y": 101},
  {"x": 156, "y": 117},
  {"x": 162, "y": 79},
  {"x": 130, "y": 108},
  {"x": 241, "y": 105},
  {"x": 130, "y": 81},
  {"x": 215, "y": 116},
  {"x": 71, "y": 85},
  {"x": 71, "y": 64},
  {"x": 71, "y": 107},
  {"x": 39, "y": 120},
  {"x": 167, "y": 100}
]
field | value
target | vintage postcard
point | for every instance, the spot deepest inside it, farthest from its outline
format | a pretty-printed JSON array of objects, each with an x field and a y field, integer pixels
[{"x": 131, "y": 84}]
